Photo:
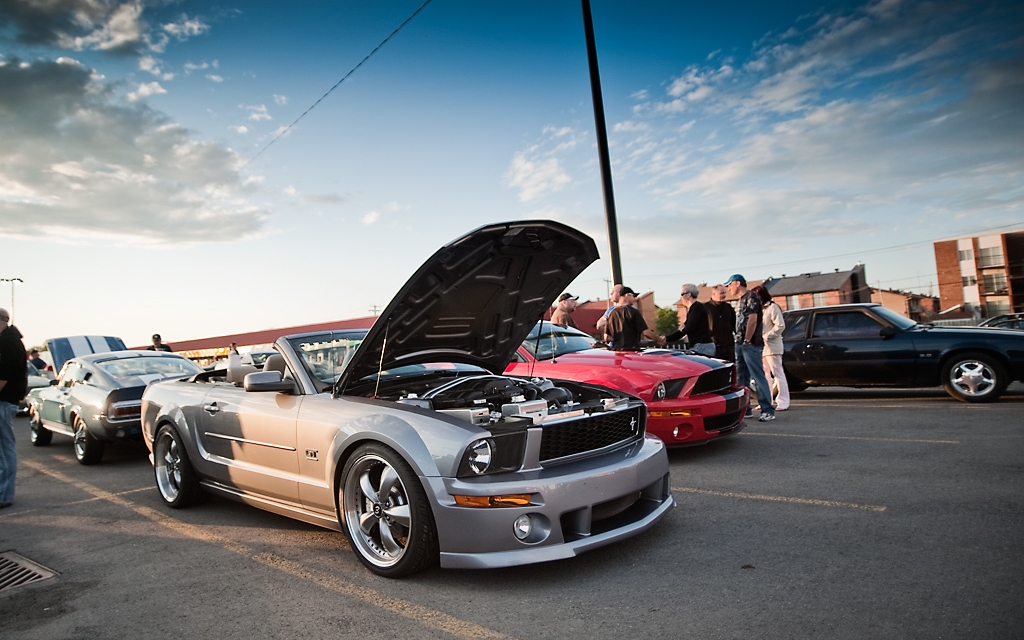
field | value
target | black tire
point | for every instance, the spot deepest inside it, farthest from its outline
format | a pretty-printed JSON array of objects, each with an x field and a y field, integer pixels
[
  {"x": 394, "y": 535},
  {"x": 176, "y": 480},
  {"x": 39, "y": 435},
  {"x": 88, "y": 450},
  {"x": 974, "y": 377}
]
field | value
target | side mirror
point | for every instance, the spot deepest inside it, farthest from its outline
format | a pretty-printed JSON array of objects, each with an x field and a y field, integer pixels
[
  {"x": 267, "y": 381},
  {"x": 888, "y": 332},
  {"x": 53, "y": 383}
]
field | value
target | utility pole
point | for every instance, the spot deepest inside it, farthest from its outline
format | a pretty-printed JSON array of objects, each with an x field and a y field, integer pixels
[
  {"x": 12, "y": 281},
  {"x": 375, "y": 310},
  {"x": 602, "y": 147}
]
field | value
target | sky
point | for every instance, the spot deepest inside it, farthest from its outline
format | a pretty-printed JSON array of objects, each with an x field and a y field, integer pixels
[{"x": 199, "y": 169}]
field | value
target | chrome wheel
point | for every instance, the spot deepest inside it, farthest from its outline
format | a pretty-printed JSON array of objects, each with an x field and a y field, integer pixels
[
  {"x": 167, "y": 466},
  {"x": 385, "y": 513},
  {"x": 974, "y": 377},
  {"x": 88, "y": 449},
  {"x": 39, "y": 435},
  {"x": 175, "y": 478},
  {"x": 377, "y": 510}
]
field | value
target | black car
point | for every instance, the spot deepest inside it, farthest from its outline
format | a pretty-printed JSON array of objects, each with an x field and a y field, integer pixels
[
  {"x": 860, "y": 345},
  {"x": 1006, "y": 321}
]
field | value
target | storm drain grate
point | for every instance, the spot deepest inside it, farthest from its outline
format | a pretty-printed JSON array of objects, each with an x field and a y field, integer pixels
[{"x": 16, "y": 570}]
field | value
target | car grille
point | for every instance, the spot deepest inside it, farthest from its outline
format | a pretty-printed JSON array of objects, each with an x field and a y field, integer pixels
[
  {"x": 599, "y": 430},
  {"x": 714, "y": 381}
]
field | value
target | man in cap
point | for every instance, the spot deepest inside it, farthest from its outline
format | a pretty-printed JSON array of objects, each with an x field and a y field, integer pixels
[
  {"x": 723, "y": 324},
  {"x": 13, "y": 387},
  {"x": 562, "y": 315},
  {"x": 750, "y": 344},
  {"x": 627, "y": 326},
  {"x": 158, "y": 344},
  {"x": 602, "y": 322},
  {"x": 696, "y": 326}
]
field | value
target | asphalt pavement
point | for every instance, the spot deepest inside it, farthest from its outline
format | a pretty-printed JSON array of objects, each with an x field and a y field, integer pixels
[{"x": 856, "y": 514}]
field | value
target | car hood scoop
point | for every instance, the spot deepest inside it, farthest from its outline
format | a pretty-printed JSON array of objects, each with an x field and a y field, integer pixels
[{"x": 476, "y": 299}]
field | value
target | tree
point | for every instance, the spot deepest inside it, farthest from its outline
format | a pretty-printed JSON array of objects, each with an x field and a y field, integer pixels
[{"x": 666, "y": 321}]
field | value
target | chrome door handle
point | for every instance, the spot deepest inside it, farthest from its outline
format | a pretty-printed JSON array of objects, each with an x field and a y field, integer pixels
[{"x": 212, "y": 407}]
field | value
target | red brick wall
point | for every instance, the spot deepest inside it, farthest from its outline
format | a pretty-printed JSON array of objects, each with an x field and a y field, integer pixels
[{"x": 947, "y": 265}]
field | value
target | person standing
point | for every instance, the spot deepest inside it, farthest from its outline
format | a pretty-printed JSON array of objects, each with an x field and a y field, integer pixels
[
  {"x": 773, "y": 327},
  {"x": 13, "y": 387},
  {"x": 627, "y": 326},
  {"x": 723, "y": 324},
  {"x": 602, "y": 322},
  {"x": 696, "y": 326},
  {"x": 562, "y": 315},
  {"x": 750, "y": 344},
  {"x": 37, "y": 362},
  {"x": 158, "y": 344}
]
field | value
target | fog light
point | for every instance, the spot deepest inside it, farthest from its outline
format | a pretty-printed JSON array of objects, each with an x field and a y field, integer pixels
[
  {"x": 675, "y": 432},
  {"x": 523, "y": 527}
]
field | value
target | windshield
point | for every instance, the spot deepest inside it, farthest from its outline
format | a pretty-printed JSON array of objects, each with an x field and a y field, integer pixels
[
  {"x": 548, "y": 341},
  {"x": 148, "y": 366},
  {"x": 327, "y": 354},
  {"x": 901, "y": 322},
  {"x": 259, "y": 358}
]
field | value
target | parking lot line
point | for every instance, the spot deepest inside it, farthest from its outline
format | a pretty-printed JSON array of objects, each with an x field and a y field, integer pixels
[
  {"x": 808, "y": 501},
  {"x": 423, "y": 615},
  {"x": 800, "y": 435}
]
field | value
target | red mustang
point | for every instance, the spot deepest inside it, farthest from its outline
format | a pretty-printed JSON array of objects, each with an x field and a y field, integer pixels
[{"x": 690, "y": 399}]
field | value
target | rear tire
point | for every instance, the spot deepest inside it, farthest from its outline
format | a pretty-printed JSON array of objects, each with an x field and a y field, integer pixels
[
  {"x": 974, "y": 377},
  {"x": 176, "y": 480},
  {"x": 39, "y": 435},
  {"x": 385, "y": 513},
  {"x": 88, "y": 450}
]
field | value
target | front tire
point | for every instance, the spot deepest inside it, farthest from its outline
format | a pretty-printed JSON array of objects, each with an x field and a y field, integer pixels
[
  {"x": 39, "y": 435},
  {"x": 175, "y": 478},
  {"x": 88, "y": 450},
  {"x": 385, "y": 513},
  {"x": 974, "y": 377}
]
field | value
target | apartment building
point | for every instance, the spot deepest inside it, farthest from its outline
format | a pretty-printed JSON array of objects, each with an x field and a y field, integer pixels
[{"x": 983, "y": 272}]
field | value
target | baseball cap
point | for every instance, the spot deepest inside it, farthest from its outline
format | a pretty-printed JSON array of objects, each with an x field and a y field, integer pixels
[
  {"x": 736, "y": 278},
  {"x": 156, "y": 336},
  {"x": 567, "y": 296},
  {"x": 627, "y": 290}
]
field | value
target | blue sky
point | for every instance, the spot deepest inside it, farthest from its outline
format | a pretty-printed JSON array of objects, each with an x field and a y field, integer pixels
[{"x": 766, "y": 138}]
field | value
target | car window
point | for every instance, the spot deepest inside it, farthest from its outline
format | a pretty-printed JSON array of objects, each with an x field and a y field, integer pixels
[
  {"x": 68, "y": 374},
  {"x": 847, "y": 324},
  {"x": 553, "y": 341},
  {"x": 327, "y": 354},
  {"x": 796, "y": 326},
  {"x": 121, "y": 368}
]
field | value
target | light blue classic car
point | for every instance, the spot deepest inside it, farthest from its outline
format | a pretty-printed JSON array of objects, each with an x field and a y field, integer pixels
[{"x": 98, "y": 398}]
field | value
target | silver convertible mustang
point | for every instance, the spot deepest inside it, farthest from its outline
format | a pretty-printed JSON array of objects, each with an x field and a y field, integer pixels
[{"x": 407, "y": 437}]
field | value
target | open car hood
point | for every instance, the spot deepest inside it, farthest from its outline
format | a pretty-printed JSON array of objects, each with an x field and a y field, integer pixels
[{"x": 476, "y": 299}]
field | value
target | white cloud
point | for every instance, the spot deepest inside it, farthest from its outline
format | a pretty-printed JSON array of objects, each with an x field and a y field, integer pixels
[
  {"x": 214, "y": 78},
  {"x": 184, "y": 28},
  {"x": 146, "y": 89},
  {"x": 78, "y": 160},
  {"x": 536, "y": 178},
  {"x": 371, "y": 218},
  {"x": 280, "y": 100},
  {"x": 240, "y": 129},
  {"x": 257, "y": 112}
]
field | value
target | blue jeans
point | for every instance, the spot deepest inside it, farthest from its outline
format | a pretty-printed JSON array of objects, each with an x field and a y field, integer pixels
[
  {"x": 8, "y": 455},
  {"x": 749, "y": 365},
  {"x": 704, "y": 349}
]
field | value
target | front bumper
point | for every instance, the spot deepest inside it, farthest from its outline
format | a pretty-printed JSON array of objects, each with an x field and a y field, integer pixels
[
  {"x": 575, "y": 507},
  {"x": 695, "y": 420}
]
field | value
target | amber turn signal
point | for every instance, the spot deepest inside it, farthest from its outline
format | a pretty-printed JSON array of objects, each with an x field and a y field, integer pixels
[
  {"x": 670, "y": 414},
  {"x": 516, "y": 500}
]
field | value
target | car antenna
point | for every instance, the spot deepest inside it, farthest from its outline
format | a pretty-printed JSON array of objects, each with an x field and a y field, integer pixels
[{"x": 380, "y": 366}]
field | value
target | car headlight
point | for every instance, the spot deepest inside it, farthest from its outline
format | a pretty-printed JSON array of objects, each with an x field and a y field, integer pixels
[
  {"x": 493, "y": 454},
  {"x": 659, "y": 391},
  {"x": 479, "y": 456}
]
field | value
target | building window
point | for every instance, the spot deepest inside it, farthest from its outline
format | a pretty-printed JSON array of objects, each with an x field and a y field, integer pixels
[
  {"x": 995, "y": 283},
  {"x": 969, "y": 281},
  {"x": 792, "y": 302},
  {"x": 997, "y": 308},
  {"x": 819, "y": 300},
  {"x": 990, "y": 257},
  {"x": 967, "y": 255}
]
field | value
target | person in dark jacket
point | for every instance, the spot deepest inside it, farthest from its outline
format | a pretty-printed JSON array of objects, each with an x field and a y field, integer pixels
[
  {"x": 627, "y": 326},
  {"x": 13, "y": 387},
  {"x": 696, "y": 326},
  {"x": 723, "y": 324}
]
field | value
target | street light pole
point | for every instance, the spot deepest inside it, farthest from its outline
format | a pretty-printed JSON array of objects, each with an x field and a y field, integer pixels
[
  {"x": 12, "y": 281},
  {"x": 602, "y": 147}
]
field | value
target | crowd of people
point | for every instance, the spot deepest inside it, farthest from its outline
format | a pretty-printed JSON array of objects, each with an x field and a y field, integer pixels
[{"x": 749, "y": 334}]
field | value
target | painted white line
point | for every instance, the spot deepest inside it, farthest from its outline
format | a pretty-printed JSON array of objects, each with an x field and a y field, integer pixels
[
  {"x": 798, "y": 435},
  {"x": 807, "y": 501}
]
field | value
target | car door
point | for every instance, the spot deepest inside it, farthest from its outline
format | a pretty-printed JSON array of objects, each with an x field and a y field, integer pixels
[
  {"x": 854, "y": 347},
  {"x": 251, "y": 437}
]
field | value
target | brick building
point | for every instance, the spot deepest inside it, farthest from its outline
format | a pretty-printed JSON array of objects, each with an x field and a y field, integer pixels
[
  {"x": 982, "y": 272},
  {"x": 820, "y": 289}
]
